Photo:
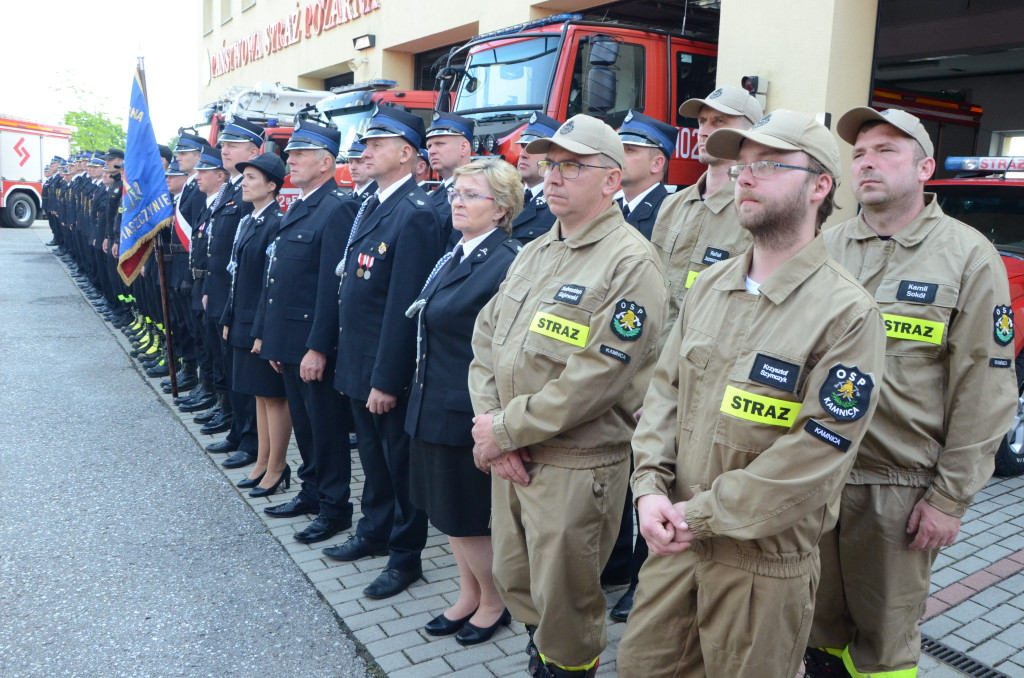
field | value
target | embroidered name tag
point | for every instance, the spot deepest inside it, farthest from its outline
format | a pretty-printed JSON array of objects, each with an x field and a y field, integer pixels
[
  {"x": 570, "y": 294},
  {"x": 615, "y": 353},
  {"x": 759, "y": 408},
  {"x": 922, "y": 293},
  {"x": 913, "y": 329},
  {"x": 827, "y": 435},
  {"x": 773, "y": 372},
  {"x": 713, "y": 255},
  {"x": 999, "y": 362},
  {"x": 560, "y": 329}
]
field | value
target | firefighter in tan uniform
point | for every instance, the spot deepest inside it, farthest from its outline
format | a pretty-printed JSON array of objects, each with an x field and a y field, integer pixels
[
  {"x": 563, "y": 356},
  {"x": 697, "y": 227},
  {"x": 949, "y": 396},
  {"x": 757, "y": 407}
]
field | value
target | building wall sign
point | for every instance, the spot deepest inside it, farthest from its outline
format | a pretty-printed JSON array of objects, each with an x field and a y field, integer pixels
[{"x": 306, "y": 22}]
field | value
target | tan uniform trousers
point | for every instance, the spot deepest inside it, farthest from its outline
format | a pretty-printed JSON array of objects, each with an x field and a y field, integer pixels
[
  {"x": 874, "y": 589},
  {"x": 693, "y": 617},
  {"x": 551, "y": 540}
]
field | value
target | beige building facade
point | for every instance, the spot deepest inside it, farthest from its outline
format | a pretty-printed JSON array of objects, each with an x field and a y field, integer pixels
[{"x": 824, "y": 67}]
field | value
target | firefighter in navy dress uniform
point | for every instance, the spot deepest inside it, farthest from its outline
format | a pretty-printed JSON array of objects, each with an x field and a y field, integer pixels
[
  {"x": 297, "y": 323},
  {"x": 445, "y": 482},
  {"x": 391, "y": 250},
  {"x": 536, "y": 219},
  {"x": 262, "y": 178}
]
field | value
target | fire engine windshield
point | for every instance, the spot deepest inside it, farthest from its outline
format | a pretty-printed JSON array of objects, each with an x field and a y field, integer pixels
[
  {"x": 508, "y": 80},
  {"x": 350, "y": 112},
  {"x": 994, "y": 210}
]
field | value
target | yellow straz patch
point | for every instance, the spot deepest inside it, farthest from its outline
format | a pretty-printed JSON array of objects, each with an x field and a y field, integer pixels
[
  {"x": 759, "y": 408},
  {"x": 690, "y": 277},
  {"x": 560, "y": 329},
  {"x": 913, "y": 329}
]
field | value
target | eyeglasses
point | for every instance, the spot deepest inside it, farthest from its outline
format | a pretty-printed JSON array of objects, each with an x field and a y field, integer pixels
[
  {"x": 454, "y": 195},
  {"x": 764, "y": 169},
  {"x": 569, "y": 169}
]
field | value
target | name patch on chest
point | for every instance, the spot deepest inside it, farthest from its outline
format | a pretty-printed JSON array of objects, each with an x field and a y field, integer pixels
[
  {"x": 759, "y": 408},
  {"x": 570, "y": 294},
  {"x": 713, "y": 255},
  {"x": 560, "y": 329},
  {"x": 922, "y": 293},
  {"x": 913, "y": 329},
  {"x": 774, "y": 372}
]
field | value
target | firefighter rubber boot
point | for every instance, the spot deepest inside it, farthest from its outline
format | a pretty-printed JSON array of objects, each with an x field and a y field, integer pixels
[
  {"x": 820, "y": 663},
  {"x": 541, "y": 669}
]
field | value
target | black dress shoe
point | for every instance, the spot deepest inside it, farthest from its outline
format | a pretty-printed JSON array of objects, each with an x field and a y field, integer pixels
[
  {"x": 474, "y": 635},
  {"x": 206, "y": 402},
  {"x": 290, "y": 509},
  {"x": 323, "y": 528},
  {"x": 355, "y": 548},
  {"x": 286, "y": 479},
  {"x": 620, "y": 612},
  {"x": 190, "y": 396},
  {"x": 223, "y": 446},
  {"x": 52, "y": 243},
  {"x": 443, "y": 626},
  {"x": 207, "y": 416},
  {"x": 219, "y": 424},
  {"x": 250, "y": 482},
  {"x": 239, "y": 459},
  {"x": 391, "y": 582}
]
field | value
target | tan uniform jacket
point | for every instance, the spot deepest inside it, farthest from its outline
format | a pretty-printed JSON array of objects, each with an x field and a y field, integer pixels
[
  {"x": 563, "y": 381},
  {"x": 692, "y": 234},
  {"x": 740, "y": 416},
  {"x": 950, "y": 391}
]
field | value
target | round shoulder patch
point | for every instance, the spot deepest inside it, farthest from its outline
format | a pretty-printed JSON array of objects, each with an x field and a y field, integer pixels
[
  {"x": 846, "y": 393},
  {"x": 628, "y": 320}
]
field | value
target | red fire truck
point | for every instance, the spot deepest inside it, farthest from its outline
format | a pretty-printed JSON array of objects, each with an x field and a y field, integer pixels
[
  {"x": 348, "y": 108},
  {"x": 25, "y": 149},
  {"x": 988, "y": 194},
  {"x": 565, "y": 64}
]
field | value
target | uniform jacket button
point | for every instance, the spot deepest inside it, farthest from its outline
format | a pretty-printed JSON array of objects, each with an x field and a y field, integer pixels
[{"x": 270, "y": 301}]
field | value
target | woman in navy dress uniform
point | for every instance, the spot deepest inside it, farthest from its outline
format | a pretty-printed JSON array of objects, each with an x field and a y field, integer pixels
[
  {"x": 485, "y": 199},
  {"x": 262, "y": 178}
]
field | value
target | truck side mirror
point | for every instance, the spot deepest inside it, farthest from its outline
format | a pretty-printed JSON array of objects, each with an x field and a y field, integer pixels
[
  {"x": 603, "y": 51},
  {"x": 600, "y": 90}
]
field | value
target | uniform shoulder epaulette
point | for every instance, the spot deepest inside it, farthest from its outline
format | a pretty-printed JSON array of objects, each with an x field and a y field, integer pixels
[
  {"x": 411, "y": 197},
  {"x": 513, "y": 245}
]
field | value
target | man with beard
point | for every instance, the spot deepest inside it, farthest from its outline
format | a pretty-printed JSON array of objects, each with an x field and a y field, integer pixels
[
  {"x": 752, "y": 421},
  {"x": 943, "y": 289}
]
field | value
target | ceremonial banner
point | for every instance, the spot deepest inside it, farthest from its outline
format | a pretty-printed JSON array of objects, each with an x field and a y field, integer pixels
[{"x": 146, "y": 206}]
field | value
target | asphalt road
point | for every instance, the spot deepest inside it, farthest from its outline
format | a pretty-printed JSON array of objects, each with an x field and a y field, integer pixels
[{"x": 123, "y": 550}]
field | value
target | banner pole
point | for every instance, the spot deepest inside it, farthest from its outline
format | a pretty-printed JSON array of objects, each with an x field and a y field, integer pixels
[{"x": 172, "y": 365}]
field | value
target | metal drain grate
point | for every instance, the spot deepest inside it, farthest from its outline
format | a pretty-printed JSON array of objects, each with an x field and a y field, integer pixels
[{"x": 958, "y": 660}]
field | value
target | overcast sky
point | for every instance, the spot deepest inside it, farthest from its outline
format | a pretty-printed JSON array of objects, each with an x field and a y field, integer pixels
[{"x": 50, "y": 46}]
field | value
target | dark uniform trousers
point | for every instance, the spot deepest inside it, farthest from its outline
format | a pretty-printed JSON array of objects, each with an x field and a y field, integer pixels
[
  {"x": 326, "y": 469},
  {"x": 298, "y": 312},
  {"x": 399, "y": 241}
]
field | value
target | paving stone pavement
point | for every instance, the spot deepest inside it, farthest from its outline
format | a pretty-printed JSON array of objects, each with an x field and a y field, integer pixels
[{"x": 983, "y": 616}]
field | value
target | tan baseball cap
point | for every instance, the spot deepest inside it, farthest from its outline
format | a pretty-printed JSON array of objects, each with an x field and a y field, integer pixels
[
  {"x": 727, "y": 99},
  {"x": 849, "y": 125},
  {"x": 785, "y": 131},
  {"x": 583, "y": 135}
]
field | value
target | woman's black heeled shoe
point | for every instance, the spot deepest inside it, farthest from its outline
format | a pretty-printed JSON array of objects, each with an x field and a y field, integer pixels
[
  {"x": 443, "y": 626},
  {"x": 250, "y": 482},
  {"x": 473, "y": 635},
  {"x": 286, "y": 478}
]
